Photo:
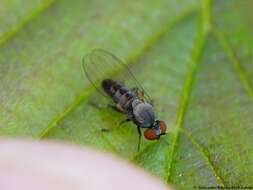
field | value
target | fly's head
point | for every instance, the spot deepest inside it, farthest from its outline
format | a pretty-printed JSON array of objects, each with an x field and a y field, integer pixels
[{"x": 154, "y": 132}]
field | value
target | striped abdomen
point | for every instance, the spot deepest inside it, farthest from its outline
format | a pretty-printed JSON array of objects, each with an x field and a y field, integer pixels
[{"x": 119, "y": 93}]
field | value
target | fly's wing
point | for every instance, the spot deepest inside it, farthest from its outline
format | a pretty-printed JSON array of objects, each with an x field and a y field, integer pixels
[{"x": 100, "y": 64}]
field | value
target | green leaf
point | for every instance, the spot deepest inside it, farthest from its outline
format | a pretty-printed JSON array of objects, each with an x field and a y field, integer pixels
[
  {"x": 15, "y": 14},
  {"x": 193, "y": 57}
]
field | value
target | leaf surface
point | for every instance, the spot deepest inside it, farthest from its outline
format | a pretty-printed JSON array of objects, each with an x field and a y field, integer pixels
[
  {"x": 15, "y": 14},
  {"x": 193, "y": 57}
]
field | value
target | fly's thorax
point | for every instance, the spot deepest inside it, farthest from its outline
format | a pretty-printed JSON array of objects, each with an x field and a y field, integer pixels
[{"x": 143, "y": 113}]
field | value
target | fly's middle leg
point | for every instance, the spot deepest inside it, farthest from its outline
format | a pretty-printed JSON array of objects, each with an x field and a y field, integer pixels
[
  {"x": 124, "y": 121},
  {"x": 121, "y": 123},
  {"x": 139, "y": 140}
]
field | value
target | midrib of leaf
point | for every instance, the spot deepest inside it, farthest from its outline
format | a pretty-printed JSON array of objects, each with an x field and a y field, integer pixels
[
  {"x": 184, "y": 99},
  {"x": 12, "y": 32},
  {"x": 204, "y": 29},
  {"x": 132, "y": 58}
]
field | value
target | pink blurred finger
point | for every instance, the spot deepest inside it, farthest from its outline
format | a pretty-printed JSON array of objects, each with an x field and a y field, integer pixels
[{"x": 29, "y": 165}]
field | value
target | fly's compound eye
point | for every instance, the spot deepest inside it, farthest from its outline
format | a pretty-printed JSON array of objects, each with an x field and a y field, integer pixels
[
  {"x": 162, "y": 127},
  {"x": 150, "y": 134}
]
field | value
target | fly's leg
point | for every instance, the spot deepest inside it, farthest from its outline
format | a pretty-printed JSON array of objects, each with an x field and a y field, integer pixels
[
  {"x": 95, "y": 105},
  {"x": 130, "y": 117},
  {"x": 139, "y": 141},
  {"x": 151, "y": 102},
  {"x": 135, "y": 89},
  {"x": 99, "y": 106},
  {"x": 116, "y": 108},
  {"x": 124, "y": 121},
  {"x": 139, "y": 93},
  {"x": 105, "y": 130},
  {"x": 121, "y": 123}
]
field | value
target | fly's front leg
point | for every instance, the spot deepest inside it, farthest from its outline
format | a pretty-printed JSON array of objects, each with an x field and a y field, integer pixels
[{"x": 139, "y": 141}]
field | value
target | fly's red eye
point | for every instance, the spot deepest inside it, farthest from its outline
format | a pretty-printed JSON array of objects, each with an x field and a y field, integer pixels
[
  {"x": 150, "y": 134},
  {"x": 162, "y": 127}
]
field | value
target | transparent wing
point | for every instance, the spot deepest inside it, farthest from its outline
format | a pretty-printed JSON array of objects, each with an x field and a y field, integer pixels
[{"x": 101, "y": 64}]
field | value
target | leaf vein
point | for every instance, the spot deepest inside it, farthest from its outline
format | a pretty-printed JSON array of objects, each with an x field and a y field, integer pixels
[
  {"x": 187, "y": 89},
  {"x": 236, "y": 63},
  {"x": 205, "y": 154},
  {"x": 8, "y": 35}
]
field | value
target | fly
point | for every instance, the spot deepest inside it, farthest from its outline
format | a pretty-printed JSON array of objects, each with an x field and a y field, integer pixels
[{"x": 127, "y": 94}]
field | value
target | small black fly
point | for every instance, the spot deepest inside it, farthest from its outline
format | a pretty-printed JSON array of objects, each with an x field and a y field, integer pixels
[{"x": 128, "y": 95}]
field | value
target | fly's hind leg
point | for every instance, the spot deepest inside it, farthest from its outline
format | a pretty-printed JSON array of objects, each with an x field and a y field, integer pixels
[
  {"x": 113, "y": 107},
  {"x": 100, "y": 107},
  {"x": 105, "y": 130},
  {"x": 116, "y": 108},
  {"x": 96, "y": 105}
]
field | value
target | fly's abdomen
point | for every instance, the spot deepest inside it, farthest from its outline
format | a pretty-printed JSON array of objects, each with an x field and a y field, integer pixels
[
  {"x": 119, "y": 93},
  {"x": 110, "y": 86}
]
